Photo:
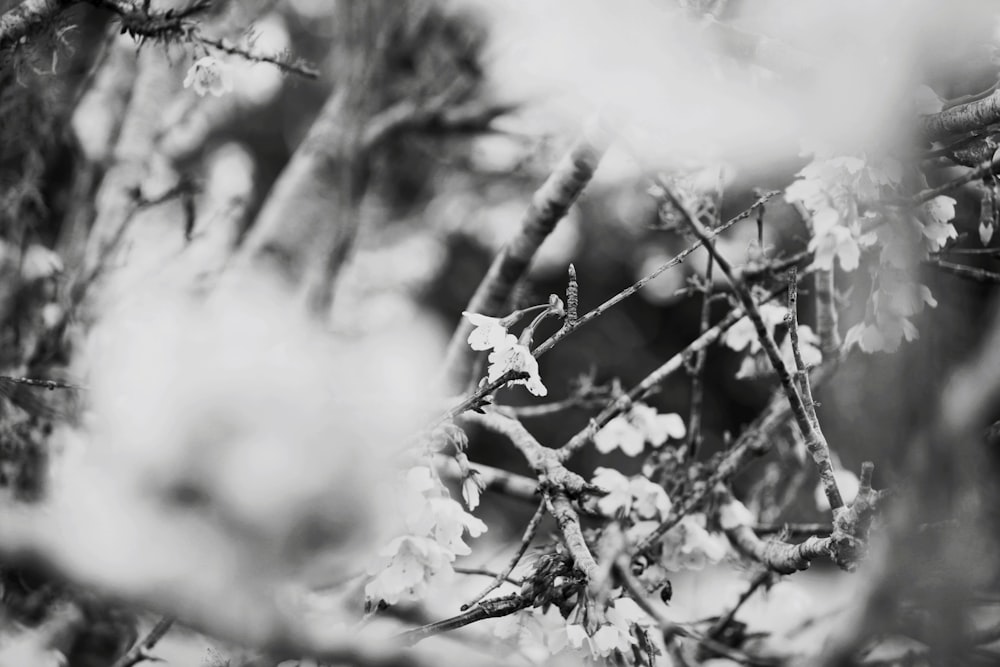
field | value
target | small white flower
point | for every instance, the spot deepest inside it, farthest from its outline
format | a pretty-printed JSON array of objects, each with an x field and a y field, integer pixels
[
  {"x": 40, "y": 262},
  {"x": 472, "y": 488},
  {"x": 985, "y": 233},
  {"x": 516, "y": 358},
  {"x": 657, "y": 428},
  {"x": 631, "y": 431},
  {"x": 489, "y": 332},
  {"x": 743, "y": 333},
  {"x": 689, "y": 546},
  {"x": 610, "y": 638},
  {"x": 937, "y": 227},
  {"x": 620, "y": 433},
  {"x": 209, "y": 75},
  {"x": 404, "y": 567},
  {"x": 451, "y": 521},
  {"x": 649, "y": 500},
  {"x": 623, "y": 612},
  {"x": 619, "y": 496}
]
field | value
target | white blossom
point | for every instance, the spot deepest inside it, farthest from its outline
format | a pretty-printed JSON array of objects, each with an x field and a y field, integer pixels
[{"x": 209, "y": 75}]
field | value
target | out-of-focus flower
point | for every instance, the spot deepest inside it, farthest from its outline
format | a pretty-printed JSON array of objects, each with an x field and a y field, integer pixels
[
  {"x": 608, "y": 639},
  {"x": 40, "y": 262},
  {"x": 209, "y": 75},
  {"x": 937, "y": 228},
  {"x": 620, "y": 433},
  {"x": 743, "y": 334},
  {"x": 404, "y": 567},
  {"x": 649, "y": 500},
  {"x": 985, "y": 233},
  {"x": 657, "y": 428},
  {"x": 451, "y": 521},
  {"x": 619, "y": 496},
  {"x": 689, "y": 546},
  {"x": 641, "y": 424},
  {"x": 639, "y": 495},
  {"x": 472, "y": 488}
]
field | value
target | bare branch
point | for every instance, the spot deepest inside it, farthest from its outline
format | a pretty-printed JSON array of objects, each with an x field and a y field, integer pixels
[
  {"x": 779, "y": 556},
  {"x": 963, "y": 118}
]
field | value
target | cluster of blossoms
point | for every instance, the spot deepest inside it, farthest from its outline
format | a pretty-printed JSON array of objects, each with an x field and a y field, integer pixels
[
  {"x": 642, "y": 424},
  {"x": 840, "y": 196},
  {"x": 642, "y": 504},
  {"x": 507, "y": 354},
  {"x": 743, "y": 336},
  {"x": 434, "y": 526}
]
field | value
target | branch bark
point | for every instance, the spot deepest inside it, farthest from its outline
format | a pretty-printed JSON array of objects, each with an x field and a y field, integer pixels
[{"x": 28, "y": 18}]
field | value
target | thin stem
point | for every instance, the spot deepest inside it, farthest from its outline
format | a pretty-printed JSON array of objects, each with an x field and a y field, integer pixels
[
  {"x": 813, "y": 436},
  {"x": 477, "y": 571},
  {"x": 140, "y": 650},
  {"x": 504, "y": 575},
  {"x": 763, "y": 578},
  {"x": 635, "y": 287},
  {"x": 698, "y": 368}
]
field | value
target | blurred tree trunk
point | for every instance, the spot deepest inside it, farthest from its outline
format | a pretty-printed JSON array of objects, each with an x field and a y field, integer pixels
[{"x": 307, "y": 226}]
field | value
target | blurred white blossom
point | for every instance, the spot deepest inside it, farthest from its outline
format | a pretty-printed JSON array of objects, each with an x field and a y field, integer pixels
[
  {"x": 631, "y": 431},
  {"x": 209, "y": 75}
]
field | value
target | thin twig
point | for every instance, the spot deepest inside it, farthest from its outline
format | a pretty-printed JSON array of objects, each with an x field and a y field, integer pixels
[
  {"x": 764, "y": 578},
  {"x": 652, "y": 381},
  {"x": 494, "y": 608},
  {"x": 504, "y": 575},
  {"x": 642, "y": 282},
  {"x": 970, "y": 272},
  {"x": 698, "y": 369},
  {"x": 140, "y": 650},
  {"x": 486, "y": 573},
  {"x": 801, "y": 372},
  {"x": 813, "y": 436},
  {"x": 794, "y": 529},
  {"x": 988, "y": 167}
]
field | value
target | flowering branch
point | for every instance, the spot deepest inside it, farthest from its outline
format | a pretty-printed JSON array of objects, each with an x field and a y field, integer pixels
[
  {"x": 557, "y": 484},
  {"x": 650, "y": 382},
  {"x": 548, "y": 206}
]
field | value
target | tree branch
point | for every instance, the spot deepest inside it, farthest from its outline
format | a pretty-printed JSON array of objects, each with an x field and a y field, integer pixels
[
  {"x": 28, "y": 18},
  {"x": 548, "y": 206}
]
